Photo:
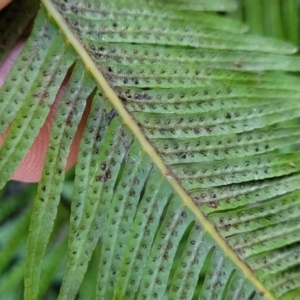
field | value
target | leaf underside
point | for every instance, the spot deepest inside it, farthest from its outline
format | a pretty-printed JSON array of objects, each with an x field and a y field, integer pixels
[{"x": 217, "y": 105}]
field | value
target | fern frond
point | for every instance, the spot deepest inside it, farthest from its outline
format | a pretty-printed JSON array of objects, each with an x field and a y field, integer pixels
[{"x": 181, "y": 174}]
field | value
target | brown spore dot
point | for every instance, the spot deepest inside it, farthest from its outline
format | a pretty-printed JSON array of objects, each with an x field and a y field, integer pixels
[{"x": 228, "y": 116}]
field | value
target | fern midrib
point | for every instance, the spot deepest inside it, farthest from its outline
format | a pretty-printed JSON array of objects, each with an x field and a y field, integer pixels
[{"x": 148, "y": 148}]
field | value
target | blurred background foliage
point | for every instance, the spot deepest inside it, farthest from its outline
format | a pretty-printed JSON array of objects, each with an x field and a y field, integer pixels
[{"x": 274, "y": 18}]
